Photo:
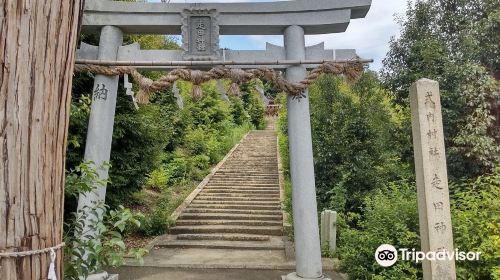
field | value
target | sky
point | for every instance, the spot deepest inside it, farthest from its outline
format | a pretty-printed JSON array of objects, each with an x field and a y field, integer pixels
[{"x": 370, "y": 36}]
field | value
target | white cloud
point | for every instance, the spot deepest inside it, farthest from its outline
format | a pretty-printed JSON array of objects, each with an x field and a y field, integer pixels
[{"x": 369, "y": 36}]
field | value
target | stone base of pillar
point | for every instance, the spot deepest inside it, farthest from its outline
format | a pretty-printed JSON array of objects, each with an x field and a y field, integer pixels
[{"x": 294, "y": 276}]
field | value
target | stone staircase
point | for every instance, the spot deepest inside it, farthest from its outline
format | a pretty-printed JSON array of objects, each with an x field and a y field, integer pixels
[{"x": 239, "y": 207}]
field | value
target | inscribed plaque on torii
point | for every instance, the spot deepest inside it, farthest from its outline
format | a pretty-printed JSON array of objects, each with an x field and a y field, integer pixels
[{"x": 200, "y": 34}]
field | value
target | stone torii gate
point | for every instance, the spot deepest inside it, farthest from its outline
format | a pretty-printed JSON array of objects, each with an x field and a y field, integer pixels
[{"x": 200, "y": 26}]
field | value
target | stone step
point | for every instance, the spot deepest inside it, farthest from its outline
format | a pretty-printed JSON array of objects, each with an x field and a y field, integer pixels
[
  {"x": 255, "y": 158},
  {"x": 222, "y": 244},
  {"x": 249, "y": 169},
  {"x": 247, "y": 164},
  {"x": 236, "y": 207},
  {"x": 229, "y": 216},
  {"x": 250, "y": 180},
  {"x": 238, "y": 195},
  {"x": 252, "y": 171},
  {"x": 223, "y": 201},
  {"x": 244, "y": 177},
  {"x": 232, "y": 211},
  {"x": 240, "y": 206},
  {"x": 271, "y": 158},
  {"x": 246, "y": 173},
  {"x": 236, "y": 199},
  {"x": 226, "y": 237},
  {"x": 189, "y": 222},
  {"x": 262, "y": 230},
  {"x": 243, "y": 184},
  {"x": 242, "y": 187},
  {"x": 254, "y": 162},
  {"x": 267, "y": 161},
  {"x": 241, "y": 191}
]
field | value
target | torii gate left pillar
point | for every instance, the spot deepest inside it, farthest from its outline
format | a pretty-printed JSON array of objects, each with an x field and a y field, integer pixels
[{"x": 101, "y": 121}]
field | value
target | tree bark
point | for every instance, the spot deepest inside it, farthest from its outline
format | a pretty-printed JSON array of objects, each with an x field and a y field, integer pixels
[{"x": 37, "y": 53}]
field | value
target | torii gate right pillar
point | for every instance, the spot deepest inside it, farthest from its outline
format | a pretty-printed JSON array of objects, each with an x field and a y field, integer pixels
[{"x": 305, "y": 216}]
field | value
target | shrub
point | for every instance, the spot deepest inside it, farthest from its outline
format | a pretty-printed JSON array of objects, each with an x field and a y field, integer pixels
[
  {"x": 238, "y": 112},
  {"x": 178, "y": 168},
  {"x": 476, "y": 225},
  {"x": 196, "y": 141},
  {"x": 389, "y": 217},
  {"x": 356, "y": 143},
  {"x": 254, "y": 105},
  {"x": 85, "y": 253},
  {"x": 158, "y": 179}
]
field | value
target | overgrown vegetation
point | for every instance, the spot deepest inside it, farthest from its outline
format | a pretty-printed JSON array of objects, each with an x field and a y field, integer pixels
[{"x": 94, "y": 235}]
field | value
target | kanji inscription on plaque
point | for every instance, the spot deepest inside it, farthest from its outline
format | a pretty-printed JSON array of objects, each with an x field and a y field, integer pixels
[{"x": 200, "y": 34}]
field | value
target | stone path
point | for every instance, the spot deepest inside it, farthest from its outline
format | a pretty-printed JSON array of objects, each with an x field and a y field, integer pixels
[
  {"x": 240, "y": 206},
  {"x": 233, "y": 227}
]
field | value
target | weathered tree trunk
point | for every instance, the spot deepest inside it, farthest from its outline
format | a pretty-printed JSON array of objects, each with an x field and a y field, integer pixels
[{"x": 37, "y": 52}]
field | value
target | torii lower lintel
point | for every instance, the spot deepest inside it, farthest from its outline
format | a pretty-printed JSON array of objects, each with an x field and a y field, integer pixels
[{"x": 133, "y": 52}]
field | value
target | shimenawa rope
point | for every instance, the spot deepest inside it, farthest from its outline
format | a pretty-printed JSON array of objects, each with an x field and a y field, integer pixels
[{"x": 351, "y": 70}]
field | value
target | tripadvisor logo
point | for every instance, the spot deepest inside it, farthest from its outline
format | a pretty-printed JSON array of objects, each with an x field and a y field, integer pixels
[{"x": 387, "y": 255}]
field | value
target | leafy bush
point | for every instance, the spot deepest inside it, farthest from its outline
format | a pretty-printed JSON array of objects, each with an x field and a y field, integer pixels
[
  {"x": 255, "y": 107},
  {"x": 139, "y": 139},
  {"x": 456, "y": 44},
  {"x": 356, "y": 140},
  {"x": 476, "y": 225},
  {"x": 86, "y": 253},
  {"x": 238, "y": 112},
  {"x": 156, "y": 222},
  {"x": 158, "y": 179},
  {"x": 178, "y": 169},
  {"x": 389, "y": 217},
  {"x": 196, "y": 141}
]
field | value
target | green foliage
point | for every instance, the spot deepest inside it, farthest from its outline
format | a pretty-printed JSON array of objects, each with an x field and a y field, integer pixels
[
  {"x": 282, "y": 130},
  {"x": 363, "y": 150},
  {"x": 254, "y": 105},
  {"x": 240, "y": 115},
  {"x": 476, "y": 221},
  {"x": 138, "y": 142},
  {"x": 389, "y": 216},
  {"x": 158, "y": 179},
  {"x": 82, "y": 179},
  {"x": 153, "y": 42},
  {"x": 86, "y": 253},
  {"x": 478, "y": 137},
  {"x": 139, "y": 137},
  {"x": 455, "y": 43},
  {"x": 355, "y": 147},
  {"x": 158, "y": 221}
]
